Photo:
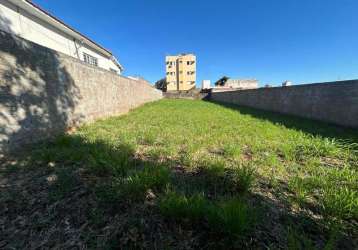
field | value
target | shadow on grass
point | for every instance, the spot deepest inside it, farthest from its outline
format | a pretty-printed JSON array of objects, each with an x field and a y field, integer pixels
[
  {"x": 107, "y": 197},
  {"x": 315, "y": 128}
]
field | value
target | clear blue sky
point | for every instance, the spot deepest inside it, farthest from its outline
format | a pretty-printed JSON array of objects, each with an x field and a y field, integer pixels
[{"x": 270, "y": 40}]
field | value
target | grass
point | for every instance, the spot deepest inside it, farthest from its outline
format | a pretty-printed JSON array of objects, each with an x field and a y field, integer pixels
[
  {"x": 228, "y": 158},
  {"x": 181, "y": 206},
  {"x": 232, "y": 216}
]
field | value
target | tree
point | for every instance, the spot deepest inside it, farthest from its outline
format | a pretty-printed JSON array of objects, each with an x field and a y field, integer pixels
[{"x": 161, "y": 84}]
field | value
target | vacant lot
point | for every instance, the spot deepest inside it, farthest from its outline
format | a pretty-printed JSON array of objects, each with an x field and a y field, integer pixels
[{"x": 180, "y": 174}]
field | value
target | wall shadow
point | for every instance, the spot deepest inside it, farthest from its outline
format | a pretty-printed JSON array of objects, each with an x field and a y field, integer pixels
[
  {"x": 315, "y": 128},
  {"x": 37, "y": 93}
]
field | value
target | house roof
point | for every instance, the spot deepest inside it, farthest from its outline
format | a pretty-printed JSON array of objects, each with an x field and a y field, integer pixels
[{"x": 44, "y": 15}]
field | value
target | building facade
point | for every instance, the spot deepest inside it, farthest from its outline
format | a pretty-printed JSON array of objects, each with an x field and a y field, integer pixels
[
  {"x": 241, "y": 83},
  {"x": 206, "y": 84},
  {"x": 28, "y": 21},
  {"x": 180, "y": 72},
  {"x": 229, "y": 83}
]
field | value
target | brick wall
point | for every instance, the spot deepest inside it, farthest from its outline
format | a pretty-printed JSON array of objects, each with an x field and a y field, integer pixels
[
  {"x": 43, "y": 92},
  {"x": 333, "y": 102}
]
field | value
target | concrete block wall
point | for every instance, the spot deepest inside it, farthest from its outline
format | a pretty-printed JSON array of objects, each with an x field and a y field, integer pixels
[
  {"x": 44, "y": 92},
  {"x": 332, "y": 102}
]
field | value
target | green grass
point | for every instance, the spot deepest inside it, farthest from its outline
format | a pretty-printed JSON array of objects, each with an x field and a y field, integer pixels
[
  {"x": 233, "y": 216},
  {"x": 226, "y": 154},
  {"x": 181, "y": 206}
]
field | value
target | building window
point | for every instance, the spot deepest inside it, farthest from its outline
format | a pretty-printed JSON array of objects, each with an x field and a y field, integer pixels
[
  {"x": 190, "y": 62},
  {"x": 190, "y": 72},
  {"x": 180, "y": 72},
  {"x": 90, "y": 59}
]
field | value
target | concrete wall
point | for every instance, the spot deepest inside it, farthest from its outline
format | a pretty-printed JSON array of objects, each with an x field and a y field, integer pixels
[
  {"x": 20, "y": 22},
  {"x": 335, "y": 102},
  {"x": 43, "y": 92},
  {"x": 193, "y": 94}
]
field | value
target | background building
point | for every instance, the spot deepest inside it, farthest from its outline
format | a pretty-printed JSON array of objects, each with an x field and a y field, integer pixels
[
  {"x": 286, "y": 83},
  {"x": 180, "y": 72},
  {"x": 229, "y": 83},
  {"x": 206, "y": 84},
  {"x": 28, "y": 21}
]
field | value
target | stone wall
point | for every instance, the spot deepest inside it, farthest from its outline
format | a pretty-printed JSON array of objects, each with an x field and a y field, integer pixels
[
  {"x": 44, "y": 92},
  {"x": 333, "y": 102}
]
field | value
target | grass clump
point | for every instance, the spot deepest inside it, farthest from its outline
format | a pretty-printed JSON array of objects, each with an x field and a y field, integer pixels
[
  {"x": 181, "y": 206},
  {"x": 233, "y": 216},
  {"x": 228, "y": 179},
  {"x": 136, "y": 185},
  {"x": 243, "y": 177},
  {"x": 341, "y": 202}
]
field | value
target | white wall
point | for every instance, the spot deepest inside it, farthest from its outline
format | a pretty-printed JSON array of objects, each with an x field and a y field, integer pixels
[
  {"x": 19, "y": 22},
  {"x": 206, "y": 84}
]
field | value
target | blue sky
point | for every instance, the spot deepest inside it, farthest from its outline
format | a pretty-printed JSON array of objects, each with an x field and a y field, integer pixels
[{"x": 271, "y": 40}]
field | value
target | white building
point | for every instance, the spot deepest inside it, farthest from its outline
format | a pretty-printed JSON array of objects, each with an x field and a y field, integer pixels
[
  {"x": 27, "y": 20},
  {"x": 242, "y": 83},
  {"x": 206, "y": 84},
  {"x": 286, "y": 83}
]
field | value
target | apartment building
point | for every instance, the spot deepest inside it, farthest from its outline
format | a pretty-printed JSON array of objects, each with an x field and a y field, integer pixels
[{"x": 180, "y": 72}]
